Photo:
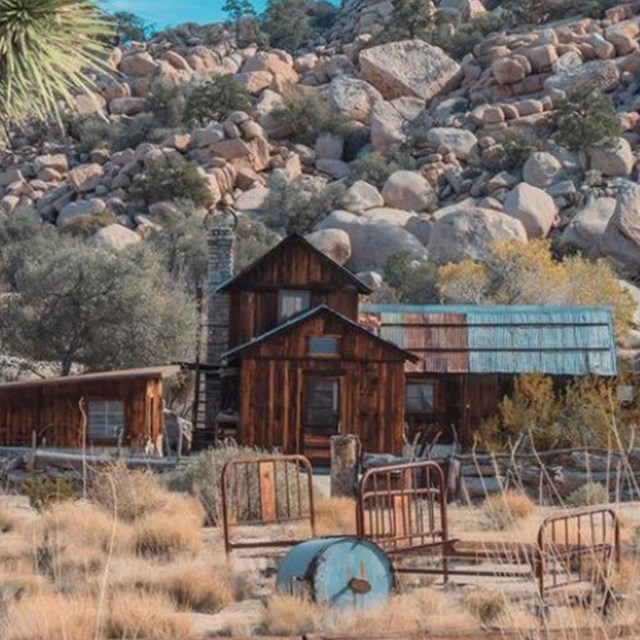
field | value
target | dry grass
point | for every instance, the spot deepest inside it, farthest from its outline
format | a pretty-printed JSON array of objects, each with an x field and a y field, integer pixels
[
  {"x": 7, "y": 521},
  {"x": 130, "y": 495},
  {"x": 335, "y": 516},
  {"x": 197, "y": 589},
  {"x": 292, "y": 616},
  {"x": 49, "y": 616},
  {"x": 504, "y": 510},
  {"x": 165, "y": 535},
  {"x": 487, "y": 605}
]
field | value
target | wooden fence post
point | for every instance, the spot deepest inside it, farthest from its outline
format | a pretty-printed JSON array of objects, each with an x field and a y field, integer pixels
[{"x": 345, "y": 453}]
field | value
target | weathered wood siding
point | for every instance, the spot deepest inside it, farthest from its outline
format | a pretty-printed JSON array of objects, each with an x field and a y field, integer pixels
[
  {"x": 52, "y": 411},
  {"x": 254, "y": 300},
  {"x": 371, "y": 378}
]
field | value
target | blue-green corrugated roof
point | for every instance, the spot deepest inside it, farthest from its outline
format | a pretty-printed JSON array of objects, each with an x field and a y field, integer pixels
[{"x": 557, "y": 340}]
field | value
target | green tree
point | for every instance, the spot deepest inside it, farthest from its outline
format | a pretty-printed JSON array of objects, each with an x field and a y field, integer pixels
[
  {"x": 129, "y": 26},
  {"x": 410, "y": 19},
  {"x": 238, "y": 11},
  {"x": 167, "y": 103},
  {"x": 586, "y": 117},
  {"x": 46, "y": 47},
  {"x": 79, "y": 304},
  {"x": 174, "y": 179},
  {"x": 215, "y": 100},
  {"x": 413, "y": 280},
  {"x": 286, "y": 23}
]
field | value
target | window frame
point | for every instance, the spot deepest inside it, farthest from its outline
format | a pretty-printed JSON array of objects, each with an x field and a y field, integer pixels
[
  {"x": 104, "y": 439},
  {"x": 415, "y": 383},
  {"x": 282, "y": 293},
  {"x": 313, "y": 354},
  {"x": 336, "y": 400}
]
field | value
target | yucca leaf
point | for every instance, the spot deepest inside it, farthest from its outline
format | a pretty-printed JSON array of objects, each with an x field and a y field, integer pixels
[{"x": 46, "y": 49}]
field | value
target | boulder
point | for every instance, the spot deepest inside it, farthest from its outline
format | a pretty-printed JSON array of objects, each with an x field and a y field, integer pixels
[
  {"x": 252, "y": 200},
  {"x": 408, "y": 190},
  {"x": 541, "y": 169},
  {"x": 533, "y": 207},
  {"x": 361, "y": 196},
  {"x": 621, "y": 237},
  {"x": 461, "y": 142},
  {"x": 333, "y": 242},
  {"x": 80, "y": 208},
  {"x": 127, "y": 106},
  {"x": 508, "y": 71},
  {"x": 58, "y": 162},
  {"x": 588, "y": 225},
  {"x": 373, "y": 241},
  {"x": 409, "y": 68},
  {"x": 353, "y": 98},
  {"x": 139, "y": 65},
  {"x": 115, "y": 237},
  {"x": 335, "y": 168},
  {"x": 615, "y": 161},
  {"x": 86, "y": 177},
  {"x": 11, "y": 176},
  {"x": 267, "y": 61},
  {"x": 603, "y": 74},
  {"x": 389, "y": 119},
  {"x": 254, "y": 81},
  {"x": 329, "y": 145},
  {"x": 468, "y": 233},
  {"x": 541, "y": 57}
]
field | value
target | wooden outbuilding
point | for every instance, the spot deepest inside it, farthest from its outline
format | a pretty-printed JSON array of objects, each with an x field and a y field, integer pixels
[{"x": 99, "y": 410}]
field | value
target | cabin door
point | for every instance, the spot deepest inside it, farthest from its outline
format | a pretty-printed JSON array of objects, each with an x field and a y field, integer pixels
[{"x": 320, "y": 416}]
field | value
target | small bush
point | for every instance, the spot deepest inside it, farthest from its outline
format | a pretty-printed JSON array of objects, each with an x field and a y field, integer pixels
[
  {"x": 215, "y": 100},
  {"x": 463, "y": 39},
  {"x": 591, "y": 493},
  {"x": 503, "y": 510},
  {"x": 44, "y": 492},
  {"x": 376, "y": 167},
  {"x": 92, "y": 132},
  {"x": 167, "y": 103},
  {"x": 297, "y": 208},
  {"x": 286, "y": 23},
  {"x": 128, "y": 134},
  {"x": 197, "y": 590},
  {"x": 253, "y": 240},
  {"x": 586, "y": 117},
  {"x": 306, "y": 118},
  {"x": 174, "y": 179},
  {"x": 513, "y": 148},
  {"x": 486, "y": 605},
  {"x": 86, "y": 225}
]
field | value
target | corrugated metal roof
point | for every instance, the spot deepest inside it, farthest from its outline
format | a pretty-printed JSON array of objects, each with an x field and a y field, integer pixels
[{"x": 558, "y": 340}]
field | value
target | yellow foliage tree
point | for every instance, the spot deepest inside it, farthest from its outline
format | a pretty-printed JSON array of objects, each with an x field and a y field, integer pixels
[{"x": 527, "y": 273}]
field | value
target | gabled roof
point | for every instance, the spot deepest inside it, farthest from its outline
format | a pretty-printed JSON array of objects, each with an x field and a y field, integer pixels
[
  {"x": 294, "y": 239},
  {"x": 572, "y": 340},
  {"x": 101, "y": 376},
  {"x": 301, "y": 318}
]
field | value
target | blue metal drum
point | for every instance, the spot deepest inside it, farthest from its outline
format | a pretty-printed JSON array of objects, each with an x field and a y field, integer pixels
[{"x": 344, "y": 572}]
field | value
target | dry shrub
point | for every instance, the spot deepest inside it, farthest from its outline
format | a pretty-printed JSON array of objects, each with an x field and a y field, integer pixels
[
  {"x": 7, "y": 521},
  {"x": 48, "y": 616},
  {"x": 292, "y": 616},
  {"x": 485, "y": 604},
  {"x": 195, "y": 589},
  {"x": 86, "y": 524},
  {"x": 503, "y": 510},
  {"x": 165, "y": 535},
  {"x": 128, "y": 494},
  {"x": 335, "y": 516}
]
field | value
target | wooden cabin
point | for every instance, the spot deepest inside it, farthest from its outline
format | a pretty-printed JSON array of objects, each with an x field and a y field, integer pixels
[
  {"x": 305, "y": 360},
  {"x": 121, "y": 408}
]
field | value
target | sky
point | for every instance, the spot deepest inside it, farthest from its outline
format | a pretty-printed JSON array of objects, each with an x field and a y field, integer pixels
[{"x": 162, "y": 13}]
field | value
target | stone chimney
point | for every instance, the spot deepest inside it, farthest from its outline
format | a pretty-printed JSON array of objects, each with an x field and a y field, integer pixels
[{"x": 221, "y": 254}]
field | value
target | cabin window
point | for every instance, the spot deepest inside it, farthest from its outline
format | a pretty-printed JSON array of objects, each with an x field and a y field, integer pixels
[
  {"x": 106, "y": 419},
  {"x": 323, "y": 346},
  {"x": 292, "y": 302},
  {"x": 420, "y": 397},
  {"x": 322, "y": 402}
]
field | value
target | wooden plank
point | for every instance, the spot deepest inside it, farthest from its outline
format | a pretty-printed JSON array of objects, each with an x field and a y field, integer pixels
[{"x": 268, "y": 507}]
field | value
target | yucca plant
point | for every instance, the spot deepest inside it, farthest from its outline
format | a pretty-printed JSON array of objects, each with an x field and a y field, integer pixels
[{"x": 46, "y": 49}]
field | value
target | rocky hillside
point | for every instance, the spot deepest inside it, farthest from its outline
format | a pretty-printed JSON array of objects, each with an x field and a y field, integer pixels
[{"x": 398, "y": 146}]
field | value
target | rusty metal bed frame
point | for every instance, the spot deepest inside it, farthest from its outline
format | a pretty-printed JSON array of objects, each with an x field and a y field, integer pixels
[
  {"x": 266, "y": 491},
  {"x": 403, "y": 508}
]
